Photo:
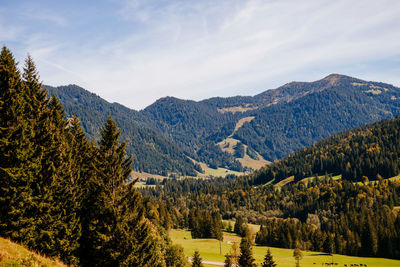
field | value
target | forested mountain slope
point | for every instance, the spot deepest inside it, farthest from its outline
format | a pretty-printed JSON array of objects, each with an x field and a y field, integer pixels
[
  {"x": 320, "y": 213},
  {"x": 367, "y": 153},
  {"x": 308, "y": 112},
  {"x": 150, "y": 150},
  {"x": 275, "y": 123},
  {"x": 191, "y": 124},
  {"x": 285, "y": 119}
]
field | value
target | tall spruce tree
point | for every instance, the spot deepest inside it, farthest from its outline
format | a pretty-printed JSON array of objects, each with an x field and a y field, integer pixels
[
  {"x": 369, "y": 239},
  {"x": 61, "y": 195},
  {"x": 50, "y": 214},
  {"x": 231, "y": 259},
  {"x": 228, "y": 260},
  {"x": 175, "y": 256},
  {"x": 15, "y": 153},
  {"x": 34, "y": 165},
  {"x": 246, "y": 258},
  {"x": 115, "y": 230}
]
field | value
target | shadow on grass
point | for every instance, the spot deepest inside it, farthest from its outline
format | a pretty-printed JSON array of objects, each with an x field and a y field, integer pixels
[{"x": 319, "y": 254}]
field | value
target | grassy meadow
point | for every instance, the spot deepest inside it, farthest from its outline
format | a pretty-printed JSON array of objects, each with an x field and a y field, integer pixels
[{"x": 209, "y": 251}]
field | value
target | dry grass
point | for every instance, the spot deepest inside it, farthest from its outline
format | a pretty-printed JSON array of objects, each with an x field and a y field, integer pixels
[
  {"x": 228, "y": 144},
  {"x": 374, "y": 91},
  {"x": 255, "y": 164},
  {"x": 145, "y": 175},
  {"x": 241, "y": 122},
  {"x": 210, "y": 172},
  {"x": 236, "y": 109},
  {"x": 12, "y": 254},
  {"x": 359, "y": 84},
  {"x": 284, "y": 181}
]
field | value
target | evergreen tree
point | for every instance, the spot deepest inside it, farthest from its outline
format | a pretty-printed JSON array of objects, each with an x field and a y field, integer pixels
[
  {"x": 115, "y": 230},
  {"x": 175, "y": 256},
  {"x": 49, "y": 196},
  {"x": 15, "y": 152},
  {"x": 369, "y": 239},
  {"x": 229, "y": 227},
  {"x": 34, "y": 154},
  {"x": 196, "y": 260},
  {"x": 35, "y": 96},
  {"x": 228, "y": 260},
  {"x": 238, "y": 225},
  {"x": 268, "y": 260},
  {"x": 246, "y": 258}
]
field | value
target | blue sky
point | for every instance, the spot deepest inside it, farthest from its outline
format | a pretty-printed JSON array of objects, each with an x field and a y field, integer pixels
[{"x": 134, "y": 52}]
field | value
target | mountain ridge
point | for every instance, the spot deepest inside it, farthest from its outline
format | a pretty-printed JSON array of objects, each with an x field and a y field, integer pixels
[{"x": 286, "y": 119}]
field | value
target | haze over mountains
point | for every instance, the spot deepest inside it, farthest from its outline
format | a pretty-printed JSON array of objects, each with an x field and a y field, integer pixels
[{"x": 241, "y": 132}]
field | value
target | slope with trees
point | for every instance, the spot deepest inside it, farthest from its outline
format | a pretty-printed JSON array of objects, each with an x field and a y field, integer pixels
[
  {"x": 286, "y": 119},
  {"x": 151, "y": 151},
  {"x": 353, "y": 215},
  {"x": 63, "y": 196}
]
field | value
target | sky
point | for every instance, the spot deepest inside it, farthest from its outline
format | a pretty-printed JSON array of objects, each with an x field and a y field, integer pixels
[{"x": 134, "y": 52}]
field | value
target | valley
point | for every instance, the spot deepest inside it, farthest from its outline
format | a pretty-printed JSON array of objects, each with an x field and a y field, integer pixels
[
  {"x": 200, "y": 133},
  {"x": 298, "y": 169}
]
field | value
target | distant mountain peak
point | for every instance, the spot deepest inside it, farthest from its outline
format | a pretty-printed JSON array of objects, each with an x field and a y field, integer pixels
[{"x": 333, "y": 78}]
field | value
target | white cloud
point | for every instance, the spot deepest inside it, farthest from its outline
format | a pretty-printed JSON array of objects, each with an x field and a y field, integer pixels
[{"x": 208, "y": 48}]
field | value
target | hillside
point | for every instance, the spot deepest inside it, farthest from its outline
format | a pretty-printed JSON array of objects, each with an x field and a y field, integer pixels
[
  {"x": 284, "y": 119},
  {"x": 367, "y": 153},
  {"x": 333, "y": 196},
  {"x": 63, "y": 195},
  {"x": 194, "y": 127},
  {"x": 150, "y": 150},
  {"x": 219, "y": 132},
  {"x": 12, "y": 254},
  {"x": 315, "y": 111}
]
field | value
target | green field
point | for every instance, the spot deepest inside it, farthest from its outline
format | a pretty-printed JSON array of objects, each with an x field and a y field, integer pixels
[{"x": 209, "y": 251}]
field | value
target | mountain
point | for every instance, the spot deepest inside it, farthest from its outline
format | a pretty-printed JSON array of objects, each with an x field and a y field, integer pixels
[
  {"x": 242, "y": 131},
  {"x": 150, "y": 150},
  {"x": 278, "y": 121},
  {"x": 298, "y": 114}
]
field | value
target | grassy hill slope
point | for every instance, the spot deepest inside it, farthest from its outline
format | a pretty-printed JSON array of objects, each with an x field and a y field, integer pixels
[{"x": 12, "y": 254}]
